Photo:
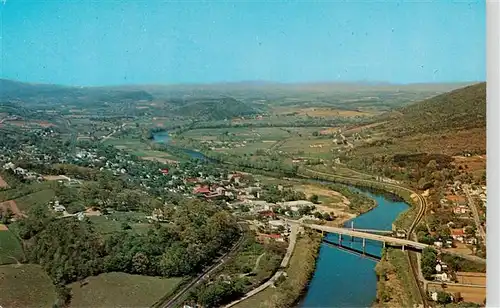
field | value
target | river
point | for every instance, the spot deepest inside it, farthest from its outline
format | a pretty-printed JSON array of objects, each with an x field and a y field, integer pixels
[{"x": 341, "y": 278}]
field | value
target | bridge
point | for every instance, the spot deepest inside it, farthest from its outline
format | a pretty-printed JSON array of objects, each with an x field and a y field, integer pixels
[
  {"x": 373, "y": 231},
  {"x": 363, "y": 235}
]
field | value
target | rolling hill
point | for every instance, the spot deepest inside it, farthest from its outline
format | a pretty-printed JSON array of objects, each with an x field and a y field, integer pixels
[
  {"x": 454, "y": 111},
  {"x": 31, "y": 94},
  {"x": 215, "y": 108},
  {"x": 452, "y": 123}
]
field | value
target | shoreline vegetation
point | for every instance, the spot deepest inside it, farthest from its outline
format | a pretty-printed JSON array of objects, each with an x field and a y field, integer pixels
[
  {"x": 291, "y": 288},
  {"x": 394, "y": 281},
  {"x": 403, "y": 221}
]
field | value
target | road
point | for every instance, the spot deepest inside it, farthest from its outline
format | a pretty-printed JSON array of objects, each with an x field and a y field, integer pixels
[
  {"x": 272, "y": 280},
  {"x": 475, "y": 213},
  {"x": 358, "y": 234},
  {"x": 174, "y": 301},
  {"x": 416, "y": 273}
]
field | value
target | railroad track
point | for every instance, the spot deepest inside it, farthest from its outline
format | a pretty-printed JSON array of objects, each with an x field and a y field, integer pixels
[
  {"x": 177, "y": 298},
  {"x": 421, "y": 211}
]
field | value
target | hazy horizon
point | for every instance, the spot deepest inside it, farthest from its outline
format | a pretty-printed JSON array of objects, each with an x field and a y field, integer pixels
[{"x": 120, "y": 43}]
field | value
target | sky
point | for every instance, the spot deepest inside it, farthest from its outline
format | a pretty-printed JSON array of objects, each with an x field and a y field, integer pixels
[{"x": 113, "y": 42}]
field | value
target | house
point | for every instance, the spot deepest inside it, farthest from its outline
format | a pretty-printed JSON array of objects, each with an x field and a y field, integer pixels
[
  {"x": 164, "y": 171},
  {"x": 59, "y": 208},
  {"x": 276, "y": 224},
  {"x": 439, "y": 268},
  {"x": 442, "y": 277},
  {"x": 461, "y": 209},
  {"x": 80, "y": 216},
  {"x": 438, "y": 244},
  {"x": 201, "y": 190},
  {"x": 265, "y": 238},
  {"x": 267, "y": 214},
  {"x": 457, "y": 234},
  {"x": 434, "y": 296}
]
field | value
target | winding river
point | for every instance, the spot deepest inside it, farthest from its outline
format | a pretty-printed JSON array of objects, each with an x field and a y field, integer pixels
[{"x": 341, "y": 278}]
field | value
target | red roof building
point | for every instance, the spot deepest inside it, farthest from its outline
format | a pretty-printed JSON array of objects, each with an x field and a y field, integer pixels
[
  {"x": 201, "y": 190},
  {"x": 270, "y": 214},
  {"x": 164, "y": 171}
]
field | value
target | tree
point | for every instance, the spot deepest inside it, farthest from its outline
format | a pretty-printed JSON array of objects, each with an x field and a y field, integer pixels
[
  {"x": 140, "y": 263},
  {"x": 314, "y": 199},
  {"x": 443, "y": 298}
]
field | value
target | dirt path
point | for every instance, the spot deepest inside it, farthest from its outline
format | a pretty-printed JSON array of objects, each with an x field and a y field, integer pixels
[{"x": 257, "y": 262}]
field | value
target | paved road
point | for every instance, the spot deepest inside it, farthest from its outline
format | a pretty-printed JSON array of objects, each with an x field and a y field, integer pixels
[
  {"x": 475, "y": 213},
  {"x": 291, "y": 246},
  {"x": 272, "y": 280},
  {"x": 370, "y": 236}
]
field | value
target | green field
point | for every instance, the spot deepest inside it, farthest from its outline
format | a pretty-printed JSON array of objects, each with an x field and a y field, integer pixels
[
  {"x": 25, "y": 285},
  {"x": 10, "y": 248},
  {"x": 114, "y": 222},
  {"x": 38, "y": 198},
  {"x": 121, "y": 290}
]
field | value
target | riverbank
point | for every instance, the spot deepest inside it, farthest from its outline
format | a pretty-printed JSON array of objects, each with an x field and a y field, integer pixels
[
  {"x": 394, "y": 281},
  {"x": 291, "y": 287},
  {"x": 368, "y": 219}
]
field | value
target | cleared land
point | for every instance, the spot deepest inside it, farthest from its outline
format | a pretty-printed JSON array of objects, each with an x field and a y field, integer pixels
[
  {"x": 121, "y": 290},
  {"x": 24, "y": 286},
  {"x": 12, "y": 206},
  {"x": 472, "y": 278},
  {"x": 3, "y": 184},
  {"x": 38, "y": 198}
]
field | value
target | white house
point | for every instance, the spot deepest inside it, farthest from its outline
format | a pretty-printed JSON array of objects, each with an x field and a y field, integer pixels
[{"x": 438, "y": 268}]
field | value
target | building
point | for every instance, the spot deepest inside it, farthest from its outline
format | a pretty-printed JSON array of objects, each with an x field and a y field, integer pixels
[
  {"x": 458, "y": 235},
  {"x": 266, "y": 238},
  {"x": 276, "y": 224}
]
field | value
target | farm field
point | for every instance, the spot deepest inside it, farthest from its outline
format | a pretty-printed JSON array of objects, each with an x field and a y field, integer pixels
[
  {"x": 10, "y": 247},
  {"x": 472, "y": 278},
  {"x": 38, "y": 198},
  {"x": 121, "y": 290},
  {"x": 25, "y": 285}
]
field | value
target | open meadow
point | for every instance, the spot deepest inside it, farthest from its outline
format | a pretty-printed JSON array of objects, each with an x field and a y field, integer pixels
[
  {"x": 121, "y": 290},
  {"x": 11, "y": 250},
  {"x": 24, "y": 286}
]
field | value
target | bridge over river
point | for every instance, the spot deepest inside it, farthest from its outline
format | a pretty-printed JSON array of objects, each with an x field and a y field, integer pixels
[
  {"x": 363, "y": 235},
  {"x": 370, "y": 235}
]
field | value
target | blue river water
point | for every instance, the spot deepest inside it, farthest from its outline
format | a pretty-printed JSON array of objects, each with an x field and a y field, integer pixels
[{"x": 342, "y": 278}]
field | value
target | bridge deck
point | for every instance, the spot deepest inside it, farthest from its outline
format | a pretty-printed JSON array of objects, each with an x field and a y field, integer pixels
[{"x": 358, "y": 234}]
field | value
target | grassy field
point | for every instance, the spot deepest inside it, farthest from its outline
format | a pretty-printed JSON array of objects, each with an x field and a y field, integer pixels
[
  {"x": 37, "y": 198},
  {"x": 10, "y": 248},
  {"x": 25, "y": 285},
  {"x": 114, "y": 222},
  {"x": 121, "y": 290}
]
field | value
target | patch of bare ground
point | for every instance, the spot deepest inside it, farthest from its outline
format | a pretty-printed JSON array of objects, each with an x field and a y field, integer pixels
[
  {"x": 3, "y": 227},
  {"x": 11, "y": 204},
  {"x": 471, "y": 278},
  {"x": 460, "y": 248},
  {"x": 3, "y": 184}
]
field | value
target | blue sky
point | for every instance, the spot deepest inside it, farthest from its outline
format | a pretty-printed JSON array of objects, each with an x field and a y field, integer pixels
[{"x": 112, "y": 42}]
